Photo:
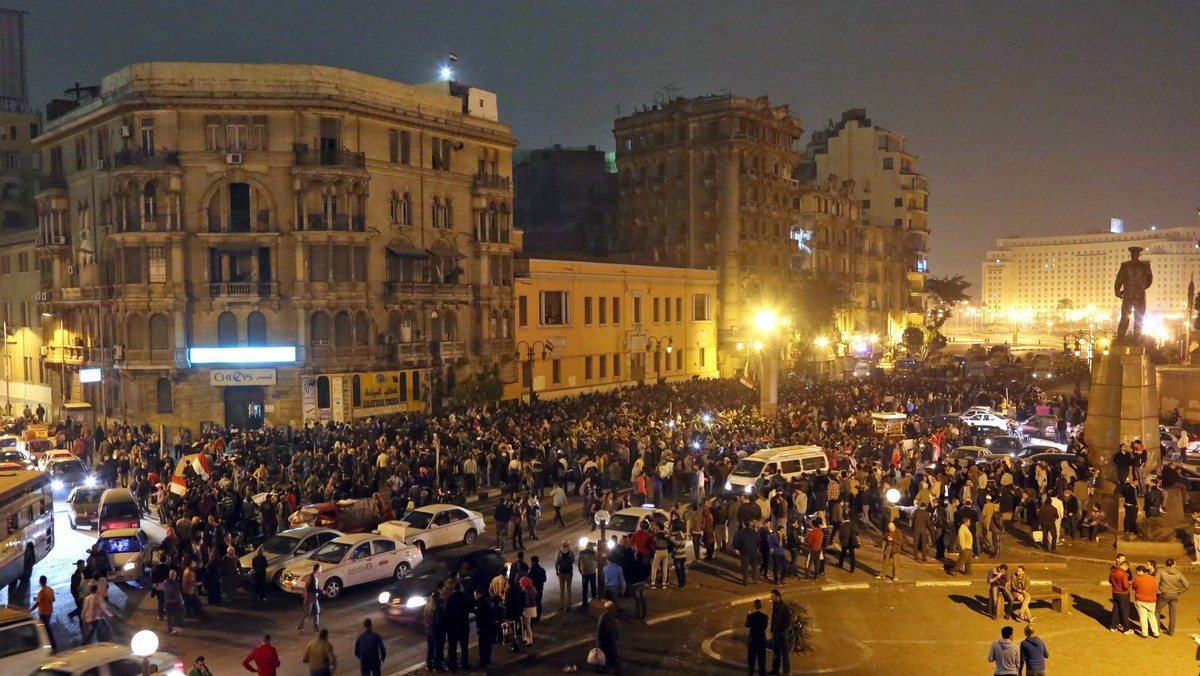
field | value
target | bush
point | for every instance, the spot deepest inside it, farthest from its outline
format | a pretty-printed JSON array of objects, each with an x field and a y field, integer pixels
[
  {"x": 798, "y": 635},
  {"x": 1156, "y": 529}
]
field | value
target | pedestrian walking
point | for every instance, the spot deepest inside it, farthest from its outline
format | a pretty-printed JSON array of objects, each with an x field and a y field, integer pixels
[
  {"x": 228, "y": 569},
  {"x": 847, "y": 542},
  {"x": 369, "y": 650},
  {"x": 1171, "y": 585},
  {"x": 564, "y": 568},
  {"x": 319, "y": 655},
  {"x": 258, "y": 567},
  {"x": 77, "y": 587},
  {"x": 502, "y": 515},
  {"x": 199, "y": 668},
  {"x": 95, "y": 613},
  {"x": 756, "y": 639},
  {"x": 1145, "y": 594},
  {"x": 558, "y": 499},
  {"x": 781, "y": 627},
  {"x": 888, "y": 543},
  {"x": 173, "y": 601},
  {"x": 679, "y": 557},
  {"x": 1005, "y": 654},
  {"x": 312, "y": 599},
  {"x": 1033, "y": 654},
  {"x": 44, "y": 605},
  {"x": 263, "y": 660},
  {"x": 966, "y": 551},
  {"x": 745, "y": 543}
]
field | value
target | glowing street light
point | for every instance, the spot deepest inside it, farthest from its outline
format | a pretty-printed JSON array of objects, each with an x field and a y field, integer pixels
[
  {"x": 144, "y": 644},
  {"x": 821, "y": 342},
  {"x": 447, "y": 73},
  {"x": 766, "y": 321},
  {"x": 893, "y": 495}
]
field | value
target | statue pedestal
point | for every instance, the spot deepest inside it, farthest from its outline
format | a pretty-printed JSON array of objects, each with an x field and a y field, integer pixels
[{"x": 1122, "y": 407}]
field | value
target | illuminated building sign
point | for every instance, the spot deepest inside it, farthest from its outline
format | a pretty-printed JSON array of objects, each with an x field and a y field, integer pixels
[
  {"x": 241, "y": 355},
  {"x": 89, "y": 375}
]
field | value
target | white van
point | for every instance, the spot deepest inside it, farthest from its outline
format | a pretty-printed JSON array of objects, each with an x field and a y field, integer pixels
[
  {"x": 24, "y": 645},
  {"x": 791, "y": 461}
]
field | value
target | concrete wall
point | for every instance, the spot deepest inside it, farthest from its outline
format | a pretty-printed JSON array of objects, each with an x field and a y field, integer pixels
[{"x": 1179, "y": 388}]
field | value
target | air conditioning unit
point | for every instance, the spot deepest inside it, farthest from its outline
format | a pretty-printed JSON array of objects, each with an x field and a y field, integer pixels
[
  {"x": 58, "y": 239},
  {"x": 70, "y": 269},
  {"x": 45, "y": 350},
  {"x": 119, "y": 352},
  {"x": 126, "y": 131},
  {"x": 233, "y": 158},
  {"x": 101, "y": 164},
  {"x": 43, "y": 296}
]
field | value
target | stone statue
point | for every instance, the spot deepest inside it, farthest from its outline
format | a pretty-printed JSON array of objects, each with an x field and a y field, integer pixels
[{"x": 1133, "y": 279}]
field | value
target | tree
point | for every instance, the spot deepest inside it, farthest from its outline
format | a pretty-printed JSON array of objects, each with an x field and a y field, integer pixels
[
  {"x": 1066, "y": 304},
  {"x": 948, "y": 290},
  {"x": 814, "y": 301},
  {"x": 913, "y": 338},
  {"x": 479, "y": 389}
]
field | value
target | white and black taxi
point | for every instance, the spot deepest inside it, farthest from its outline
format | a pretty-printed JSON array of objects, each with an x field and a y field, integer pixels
[{"x": 352, "y": 560}]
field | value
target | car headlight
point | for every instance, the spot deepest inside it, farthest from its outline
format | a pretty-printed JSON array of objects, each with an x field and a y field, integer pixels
[
  {"x": 129, "y": 566},
  {"x": 728, "y": 486},
  {"x": 90, "y": 482},
  {"x": 749, "y": 488},
  {"x": 385, "y": 597},
  {"x": 57, "y": 484},
  {"x": 415, "y": 602}
]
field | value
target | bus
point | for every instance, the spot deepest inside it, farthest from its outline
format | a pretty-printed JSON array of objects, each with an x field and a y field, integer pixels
[{"x": 27, "y": 517}]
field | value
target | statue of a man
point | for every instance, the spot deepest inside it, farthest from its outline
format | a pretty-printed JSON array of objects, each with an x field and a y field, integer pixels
[{"x": 1133, "y": 279}]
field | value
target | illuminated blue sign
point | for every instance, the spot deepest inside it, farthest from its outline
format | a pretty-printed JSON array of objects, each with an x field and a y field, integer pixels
[{"x": 241, "y": 355}]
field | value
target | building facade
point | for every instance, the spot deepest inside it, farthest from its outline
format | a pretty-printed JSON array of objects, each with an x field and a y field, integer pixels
[
  {"x": 24, "y": 379},
  {"x": 708, "y": 183},
  {"x": 588, "y": 326},
  {"x": 566, "y": 199},
  {"x": 1031, "y": 277},
  {"x": 892, "y": 194},
  {"x": 363, "y": 222}
]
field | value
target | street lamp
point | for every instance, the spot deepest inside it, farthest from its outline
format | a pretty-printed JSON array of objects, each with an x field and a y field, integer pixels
[
  {"x": 655, "y": 343},
  {"x": 546, "y": 348},
  {"x": 144, "y": 644}
]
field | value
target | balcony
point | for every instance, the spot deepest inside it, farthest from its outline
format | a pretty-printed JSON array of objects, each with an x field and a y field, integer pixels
[
  {"x": 64, "y": 354},
  {"x": 152, "y": 159},
  {"x": 54, "y": 241},
  {"x": 150, "y": 357},
  {"x": 330, "y": 157},
  {"x": 241, "y": 289},
  {"x": 491, "y": 182},
  {"x": 915, "y": 182},
  {"x": 427, "y": 290},
  {"x": 448, "y": 349},
  {"x": 342, "y": 354},
  {"x": 336, "y": 223},
  {"x": 54, "y": 181}
]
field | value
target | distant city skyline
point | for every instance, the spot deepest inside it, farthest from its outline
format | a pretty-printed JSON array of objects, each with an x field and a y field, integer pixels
[{"x": 1028, "y": 119}]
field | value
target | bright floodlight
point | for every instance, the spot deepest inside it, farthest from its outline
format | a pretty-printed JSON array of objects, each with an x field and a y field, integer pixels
[
  {"x": 706, "y": 418},
  {"x": 758, "y": 344},
  {"x": 893, "y": 496},
  {"x": 583, "y": 542},
  {"x": 447, "y": 73},
  {"x": 144, "y": 643},
  {"x": 821, "y": 342},
  {"x": 765, "y": 320}
]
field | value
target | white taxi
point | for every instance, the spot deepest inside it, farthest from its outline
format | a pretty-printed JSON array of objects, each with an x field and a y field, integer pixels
[
  {"x": 54, "y": 455},
  {"x": 352, "y": 560},
  {"x": 435, "y": 526},
  {"x": 629, "y": 520}
]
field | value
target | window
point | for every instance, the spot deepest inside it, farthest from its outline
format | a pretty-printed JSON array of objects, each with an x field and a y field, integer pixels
[
  {"x": 616, "y": 362},
  {"x": 405, "y": 145},
  {"x": 700, "y": 307},
  {"x": 603, "y": 308},
  {"x": 523, "y": 311},
  {"x": 237, "y": 134},
  {"x": 678, "y": 359},
  {"x": 556, "y": 371},
  {"x": 702, "y": 358},
  {"x": 657, "y": 303},
  {"x": 587, "y": 368},
  {"x": 5, "y": 265},
  {"x": 394, "y": 209},
  {"x": 23, "y": 262},
  {"x": 637, "y": 309},
  {"x": 587, "y": 310},
  {"x": 239, "y": 207},
  {"x": 616, "y": 308},
  {"x": 899, "y": 201},
  {"x": 678, "y": 308},
  {"x": 555, "y": 308},
  {"x": 147, "y": 132},
  {"x": 436, "y": 211},
  {"x": 667, "y": 303},
  {"x": 393, "y": 146},
  {"x": 406, "y": 210},
  {"x": 887, "y": 163},
  {"x": 227, "y": 330},
  {"x": 383, "y": 546},
  {"x": 149, "y": 203},
  {"x": 603, "y": 366},
  {"x": 318, "y": 263},
  {"x": 256, "y": 330},
  {"x": 165, "y": 404},
  {"x": 158, "y": 265}
]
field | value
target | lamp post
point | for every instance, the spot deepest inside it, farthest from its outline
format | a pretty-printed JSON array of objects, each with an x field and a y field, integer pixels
[
  {"x": 1091, "y": 339},
  {"x": 767, "y": 322},
  {"x": 62, "y": 368},
  {"x": 655, "y": 343},
  {"x": 144, "y": 644},
  {"x": 546, "y": 348}
]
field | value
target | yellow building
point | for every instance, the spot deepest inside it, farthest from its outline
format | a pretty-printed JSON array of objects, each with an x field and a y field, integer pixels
[
  {"x": 360, "y": 224},
  {"x": 22, "y": 357},
  {"x": 588, "y": 326}
]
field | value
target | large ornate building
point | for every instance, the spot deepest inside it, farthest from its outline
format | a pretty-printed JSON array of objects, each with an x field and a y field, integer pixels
[{"x": 363, "y": 222}]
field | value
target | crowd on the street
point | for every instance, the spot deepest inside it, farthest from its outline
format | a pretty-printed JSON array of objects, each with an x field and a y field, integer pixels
[{"x": 670, "y": 445}]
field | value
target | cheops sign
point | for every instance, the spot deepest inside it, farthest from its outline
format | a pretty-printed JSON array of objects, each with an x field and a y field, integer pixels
[{"x": 241, "y": 377}]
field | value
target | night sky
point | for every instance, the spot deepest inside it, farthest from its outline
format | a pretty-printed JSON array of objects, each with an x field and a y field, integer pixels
[{"x": 1029, "y": 118}]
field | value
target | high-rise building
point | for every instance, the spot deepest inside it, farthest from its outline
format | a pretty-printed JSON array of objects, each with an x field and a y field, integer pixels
[
  {"x": 1031, "y": 277},
  {"x": 192, "y": 216},
  {"x": 566, "y": 199},
  {"x": 892, "y": 194},
  {"x": 708, "y": 183}
]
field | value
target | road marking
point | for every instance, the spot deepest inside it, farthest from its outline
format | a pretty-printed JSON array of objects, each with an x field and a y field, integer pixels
[
  {"x": 944, "y": 583},
  {"x": 706, "y": 646},
  {"x": 668, "y": 617},
  {"x": 840, "y": 587},
  {"x": 747, "y": 599}
]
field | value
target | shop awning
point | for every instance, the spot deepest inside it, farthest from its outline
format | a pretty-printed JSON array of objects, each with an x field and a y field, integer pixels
[
  {"x": 446, "y": 252},
  {"x": 407, "y": 251}
]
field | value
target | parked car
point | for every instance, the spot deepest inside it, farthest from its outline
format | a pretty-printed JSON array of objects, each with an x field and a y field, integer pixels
[
  {"x": 944, "y": 419},
  {"x": 352, "y": 560},
  {"x": 53, "y": 455},
  {"x": 1041, "y": 426},
  {"x": 11, "y": 458},
  {"x": 348, "y": 516},
  {"x": 475, "y": 568},
  {"x": 11, "y": 442},
  {"x": 108, "y": 659},
  {"x": 436, "y": 525},
  {"x": 980, "y": 416},
  {"x": 1190, "y": 476},
  {"x": 1056, "y": 458},
  {"x": 24, "y": 645},
  {"x": 83, "y": 506},
  {"x": 288, "y": 547},
  {"x": 69, "y": 473},
  {"x": 1038, "y": 446},
  {"x": 128, "y": 551},
  {"x": 1169, "y": 445},
  {"x": 1004, "y": 444},
  {"x": 630, "y": 519},
  {"x": 964, "y": 457}
]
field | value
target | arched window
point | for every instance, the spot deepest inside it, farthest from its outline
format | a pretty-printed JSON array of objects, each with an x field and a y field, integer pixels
[
  {"x": 135, "y": 332},
  {"x": 504, "y": 223},
  {"x": 493, "y": 227},
  {"x": 406, "y": 210},
  {"x": 320, "y": 331},
  {"x": 481, "y": 225},
  {"x": 450, "y": 326},
  {"x": 448, "y": 214},
  {"x": 505, "y": 324},
  {"x": 405, "y": 332},
  {"x": 256, "y": 329},
  {"x": 160, "y": 332},
  {"x": 164, "y": 396},
  {"x": 149, "y": 203},
  {"x": 494, "y": 328},
  {"x": 394, "y": 208},
  {"x": 343, "y": 329},
  {"x": 227, "y": 330},
  {"x": 362, "y": 330},
  {"x": 436, "y": 211}
]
